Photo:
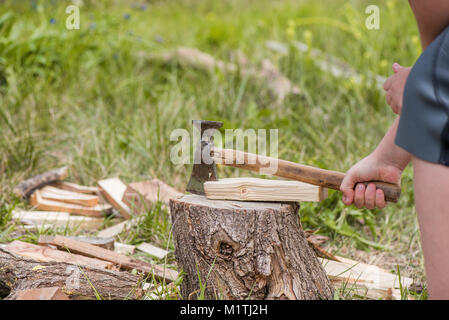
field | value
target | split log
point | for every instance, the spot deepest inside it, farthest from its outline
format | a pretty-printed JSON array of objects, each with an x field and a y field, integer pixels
[
  {"x": 245, "y": 250},
  {"x": 17, "y": 273},
  {"x": 27, "y": 187},
  {"x": 113, "y": 189}
]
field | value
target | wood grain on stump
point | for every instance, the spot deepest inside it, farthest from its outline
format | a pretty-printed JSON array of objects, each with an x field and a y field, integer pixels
[{"x": 242, "y": 250}]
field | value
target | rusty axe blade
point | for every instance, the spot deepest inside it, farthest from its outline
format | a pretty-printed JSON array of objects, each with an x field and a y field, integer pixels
[{"x": 203, "y": 165}]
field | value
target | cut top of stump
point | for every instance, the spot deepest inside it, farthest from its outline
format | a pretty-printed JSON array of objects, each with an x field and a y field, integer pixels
[{"x": 232, "y": 204}]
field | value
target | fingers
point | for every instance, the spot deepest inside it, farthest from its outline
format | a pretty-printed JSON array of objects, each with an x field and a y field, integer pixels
[
  {"x": 347, "y": 187},
  {"x": 369, "y": 197},
  {"x": 380, "y": 199},
  {"x": 396, "y": 67},
  {"x": 359, "y": 196}
]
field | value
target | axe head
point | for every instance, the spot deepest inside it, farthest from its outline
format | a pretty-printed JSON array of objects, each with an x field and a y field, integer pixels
[{"x": 203, "y": 165}]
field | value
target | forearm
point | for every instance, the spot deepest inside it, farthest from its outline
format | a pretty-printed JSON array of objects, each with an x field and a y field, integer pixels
[
  {"x": 388, "y": 152},
  {"x": 432, "y": 16}
]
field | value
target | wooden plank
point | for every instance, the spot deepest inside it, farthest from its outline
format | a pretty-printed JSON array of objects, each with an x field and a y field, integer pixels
[
  {"x": 123, "y": 248},
  {"x": 57, "y": 219},
  {"x": 152, "y": 250},
  {"x": 27, "y": 187},
  {"x": 118, "y": 228},
  {"x": 365, "y": 280},
  {"x": 49, "y": 293},
  {"x": 106, "y": 243},
  {"x": 140, "y": 195},
  {"x": 255, "y": 189},
  {"x": 48, "y": 205},
  {"x": 75, "y": 187},
  {"x": 55, "y": 194},
  {"x": 111, "y": 256},
  {"x": 113, "y": 189},
  {"x": 46, "y": 254}
]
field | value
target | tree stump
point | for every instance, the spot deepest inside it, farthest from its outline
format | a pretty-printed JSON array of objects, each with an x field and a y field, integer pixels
[{"x": 244, "y": 250}]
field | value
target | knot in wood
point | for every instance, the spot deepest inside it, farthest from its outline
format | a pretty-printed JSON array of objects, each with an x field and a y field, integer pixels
[{"x": 226, "y": 249}]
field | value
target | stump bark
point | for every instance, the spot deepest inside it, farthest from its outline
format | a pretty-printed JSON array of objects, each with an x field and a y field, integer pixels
[
  {"x": 17, "y": 273},
  {"x": 244, "y": 250}
]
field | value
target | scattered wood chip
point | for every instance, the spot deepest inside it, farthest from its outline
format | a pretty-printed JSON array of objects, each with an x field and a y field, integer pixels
[
  {"x": 140, "y": 195},
  {"x": 75, "y": 187},
  {"x": 50, "y": 293},
  {"x": 118, "y": 228},
  {"x": 55, "y": 194},
  {"x": 40, "y": 219},
  {"x": 364, "y": 280},
  {"x": 46, "y": 254},
  {"x": 152, "y": 250},
  {"x": 106, "y": 243},
  {"x": 122, "y": 248},
  {"x": 48, "y": 205},
  {"x": 255, "y": 189},
  {"x": 113, "y": 189},
  {"x": 125, "y": 262},
  {"x": 27, "y": 187}
]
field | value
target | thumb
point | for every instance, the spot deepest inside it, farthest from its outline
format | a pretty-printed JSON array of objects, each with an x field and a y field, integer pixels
[
  {"x": 347, "y": 187},
  {"x": 396, "y": 67}
]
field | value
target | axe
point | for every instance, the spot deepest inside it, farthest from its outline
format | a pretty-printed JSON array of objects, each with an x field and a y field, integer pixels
[{"x": 206, "y": 156}]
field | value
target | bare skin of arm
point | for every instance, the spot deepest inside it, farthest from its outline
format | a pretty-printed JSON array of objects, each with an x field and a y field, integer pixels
[{"x": 387, "y": 162}]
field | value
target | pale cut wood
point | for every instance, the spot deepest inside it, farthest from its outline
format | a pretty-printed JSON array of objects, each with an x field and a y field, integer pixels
[
  {"x": 55, "y": 194},
  {"x": 18, "y": 273},
  {"x": 124, "y": 248},
  {"x": 48, "y": 205},
  {"x": 152, "y": 250},
  {"x": 46, "y": 254},
  {"x": 113, "y": 189},
  {"x": 118, "y": 228},
  {"x": 42, "y": 219},
  {"x": 50, "y": 293},
  {"x": 140, "y": 195},
  {"x": 27, "y": 187},
  {"x": 107, "y": 243},
  {"x": 364, "y": 280},
  {"x": 75, "y": 187},
  {"x": 125, "y": 262},
  {"x": 255, "y": 189}
]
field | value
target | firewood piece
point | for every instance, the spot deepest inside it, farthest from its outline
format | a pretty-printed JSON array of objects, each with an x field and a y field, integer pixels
[
  {"x": 106, "y": 243},
  {"x": 124, "y": 248},
  {"x": 78, "y": 282},
  {"x": 55, "y": 194},
  {"x": 45, "y": 254},
  {"x": 27, "y": 187},
  {"x": 364, "y": 280},
  {"x": 246, "y": 250},
  {"x": 51, "y": 293},
  {"x": 75, "y": 187},
  {"x": 124, "y": 261},
  {"x": 118, "y": 228},
  {"x": 140, "y": 195},
  {"x": 113, "y": 189},
  {"x": 57, "y": 219},
  {"x": 48, "y": 205},
  {"x": 255, "y": 189},
  {"x": 152, "y": 250}
]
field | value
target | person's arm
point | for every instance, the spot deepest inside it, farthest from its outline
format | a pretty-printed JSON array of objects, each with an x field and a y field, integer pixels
[{"x": 432, "y": 16}]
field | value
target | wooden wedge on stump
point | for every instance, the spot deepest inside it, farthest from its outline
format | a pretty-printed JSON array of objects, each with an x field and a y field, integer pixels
[{"x": 244, "y": 250}]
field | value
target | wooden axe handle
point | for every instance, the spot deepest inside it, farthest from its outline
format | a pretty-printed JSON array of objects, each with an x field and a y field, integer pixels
[{"x": 290, "y": 170}]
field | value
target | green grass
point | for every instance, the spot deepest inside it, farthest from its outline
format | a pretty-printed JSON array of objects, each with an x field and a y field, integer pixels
[{"x": 87, "y": 99}]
